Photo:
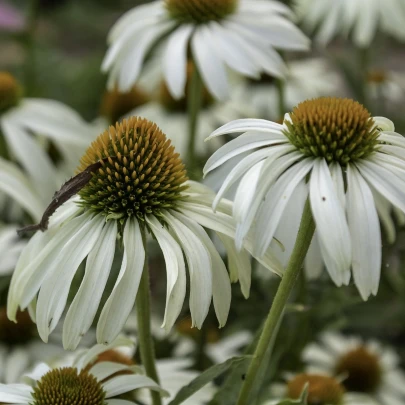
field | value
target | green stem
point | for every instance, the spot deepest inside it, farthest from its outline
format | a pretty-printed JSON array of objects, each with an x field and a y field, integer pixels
[
  {"x": 145, "y": 339},
  {"x": 194, "y": 103},
  {"x": 281, "y": 98},
  {"x": 304, "y": 237}
]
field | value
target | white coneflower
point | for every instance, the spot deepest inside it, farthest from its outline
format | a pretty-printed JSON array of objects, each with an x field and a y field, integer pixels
[
  {"x": 21, "y": 348},
  {"x": 239, "y": 34},
  {"x": 322, "y": 389},
  {"x": 364, "y": 367},
  {"x": 340, "y": 155},
  {"x": 81, "y": 382},
  {"x": 20, "y": 117},
  {"x": 171, "y": 115},
  {"x": 386, "y": 86},
  {"x": 140, "y": 185},
  {"x": 361, "y": 19}
]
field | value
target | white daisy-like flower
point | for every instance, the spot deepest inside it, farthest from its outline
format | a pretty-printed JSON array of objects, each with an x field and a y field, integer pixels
[
  {"x": 172, "y": 117},
  {"x": 21, "y": 348},
  {"x": 21, "y": 117},
  {"x": 386, "y": 85},
  {"x": 174, "y": 373},
  {"x": 322, "y": 388},
  {"x": 81, "y": 382},
  {"x": 341, "y": 156},
  {"x": 360, "y": 19},
  {"x": 304, "y": 79},
  {"x": 365, "y": 367},
  {"x": 239, "y": 34},
  {"x": 136, "y": 184}
]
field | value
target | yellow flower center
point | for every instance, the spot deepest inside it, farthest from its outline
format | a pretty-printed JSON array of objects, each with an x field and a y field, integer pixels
[
  {"x": 10, "y": 91},
  {"x": 337, "y": 129},
  {"x": 322, "y": 390},
  {"x": 115, "y": 104},
  {"x": 180, "y": 105},
  {"x": 200, "y": 11},
  {"x": 12, "y": 333},
  {"x": 362, "y": 369},
  {"x": 140, "y": 173},
  {"x": 376, "y": 76},
  {"x": 68, "y": 386}
]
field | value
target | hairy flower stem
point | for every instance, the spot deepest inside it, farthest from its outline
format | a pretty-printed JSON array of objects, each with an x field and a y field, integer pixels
[
  {"x": 304, "y": 237},
  {"x": 194, "y": 102},
  {"x": 145, "y": 339},
  {"x": 281, "y": 98},
  {"x": 364, "y": 64}
]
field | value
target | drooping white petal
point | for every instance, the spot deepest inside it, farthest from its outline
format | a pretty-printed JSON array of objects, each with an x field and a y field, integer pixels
[
  {"x": 55, "y": 287},
  {"x": 175, "y": 60},
  {"x": 121, "y": 301},
  {"x": 199, "y": 265},
  {"x": 106, "y": 369},
  {"x": 38, "y": 372},
  {"x": 364, "y": 226},
  {"x": 85, "y": 304},
  {"x": 331, "y": 225},
  {"x": 221, "y": 285},
  {"x": 209, "y": 64},
  {"x": 175, "y": 270},
  {"x": 272, "y": 209}
]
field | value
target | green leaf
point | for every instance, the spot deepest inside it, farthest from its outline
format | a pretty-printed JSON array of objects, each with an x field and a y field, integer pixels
[{"x": 207, "y": 376}]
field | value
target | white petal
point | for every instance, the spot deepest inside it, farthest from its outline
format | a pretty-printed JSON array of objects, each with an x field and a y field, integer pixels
[
  {"x": 175, "y": 270},
  {"x": 331, "y": 225},
  {"x": 15, "y": 393},
  {"x": 199, "y": 265},
  {"x": 125, "y": 383},
  {"x": 221, "y": 285},
  {"x": 365, "y": 234},
  {"x": 272, "y": 208},
  {"x": 121, "y": 301},
  {"x": 249, "y": 124},
  {"x": 107, "y": 368},
  {"x": 175, "y": 60},
  {"x": 55, "y": 288},
  {"x": 209, "y": 63},
  {"x": 39, "y": 371},
  {"x": 85, "y": 304}
]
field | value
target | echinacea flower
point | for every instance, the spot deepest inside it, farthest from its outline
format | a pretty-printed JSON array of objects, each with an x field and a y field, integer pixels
[
  {"x": 239, "y": 34},
  {"x": 321, "y": 388},
  {"x": 140, "y": 186},
  {"x": 21, "y": 117},
  {"x": 341, "y": 156},
  {"x": 365, "y": 367},
  {"x": 360, "y": 19},
  {"x": 80, "y": 382}
]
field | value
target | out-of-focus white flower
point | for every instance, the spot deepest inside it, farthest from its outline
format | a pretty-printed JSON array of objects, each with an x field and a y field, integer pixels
[
  {"x": 22, "y": 117},
  {"x": 81, "y": 381},
  {"x": 304, "y": 79},
  {"x": 365, "y": 367},
  {"x": 359, "y": 19},
  {"x": 239, "y": 34},
  {"x": 322, "y": 388},
  {"x": 138, "y": 185},
  {"x": 324, "y": 144},
  {"x": 386, "y": 86},
  {"x": 11, "y": 247}
]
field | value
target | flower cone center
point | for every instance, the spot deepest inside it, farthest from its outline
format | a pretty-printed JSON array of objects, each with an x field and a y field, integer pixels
[
  {"x": 200, "y": 11},
  {"x": 12, "y": 333},
  {"x": 141, "y": 173},
  {"x": 322, "y": 390},
  {"x": 337, "y": 129},
  {"x": 362, "y": 369},
  {"x": 115, "y": 104},
  {"x": 377, "y": 76},
  {"x": 68, "y": 386},
  {"x": 10, "y": 91}
]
